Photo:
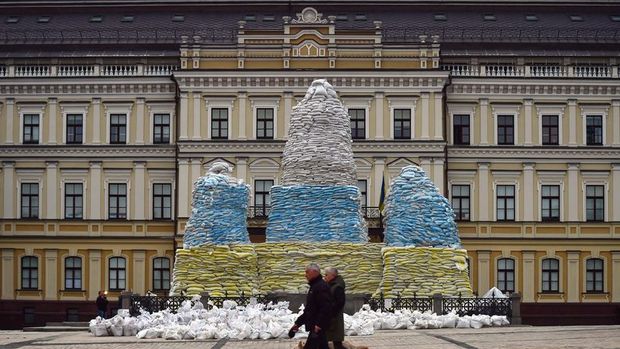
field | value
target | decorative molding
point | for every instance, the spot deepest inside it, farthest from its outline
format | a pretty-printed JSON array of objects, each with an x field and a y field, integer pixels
[
  {"x": 86, "y": 152},
  {"x": 309, "y": 16},
  {"x": 515, "y": 154}
]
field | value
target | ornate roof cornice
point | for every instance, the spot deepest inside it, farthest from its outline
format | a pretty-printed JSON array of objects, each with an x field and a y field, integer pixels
[
  {"x": 512, "y": 154},
  {"x": 86, "y": 151}
]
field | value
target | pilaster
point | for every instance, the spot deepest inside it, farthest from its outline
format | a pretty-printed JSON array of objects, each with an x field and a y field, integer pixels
[
  {"x": 483, "y": 189},
  {"x": 572, "y": 277},
  {"x": 95, "y": 273},
  {"x": 242, "y": 116},
  {"x": 573, "y": 193},
  {"x": 527, "y": 109},
  {"x": 529, "y": 276},
  {"x": 52, "y": 105},
  {"x": 51, "y": 275},
  {"x": 8, "y": 273},
  {"x": 528, "y": 192},
  {"x": 96, "y": 121},
  {"x": 139, "y": 271},
  {"x": 379, "y": 167},
  {"x": 184, "y": 188},
  {"x": 196, "y": 116},
  {"x": 438, "y": 119},
  {"x": 242, "y": 168},
  {"x": 615, "y": 276},
  {"x": 95, "y": 190},
  {"x": 425, "y": 128},
  {"x": 10, "y": 111},
  {"x": 139, "y": 199},
  {"x": 572, "y": 122},
  {"x": 484, "y": 121},
  {"x": 379, "y": 106},
  {"x": 51, "y": 189},
  {"x": 8, "y": 170},
  {"x": 140, "y": 121},
  {"x": 183, "y": 117},
  {"x": 438, "y": 174},
  {"x": 288, "y": 108},
  {"x": 484, "y": 271}
]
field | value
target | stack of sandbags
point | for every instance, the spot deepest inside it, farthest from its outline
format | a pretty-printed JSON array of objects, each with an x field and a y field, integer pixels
[
  {"x": 281, "y": 265},
  {"x": 219, "y": 211},
  {"x": 318, "y": 150},
  {"x": 316, "y": 213},
  {"x": 219, "y": 270},
  {"x": 417, "y": 214},
  {"x": 424, "y": 271}
]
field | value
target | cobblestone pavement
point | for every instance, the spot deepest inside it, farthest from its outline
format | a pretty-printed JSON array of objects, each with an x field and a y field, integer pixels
[{"x": 487, "y": 338}]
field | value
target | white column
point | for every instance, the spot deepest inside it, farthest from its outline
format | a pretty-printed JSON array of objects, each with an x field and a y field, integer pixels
[
  {"x": 527, "y": 109},
  {"x": 573, "y": 193},
  {"x": 51, "y": 275},
  {"x": 484, "y": 121},
  {"x": 484, "y": 271},
  {"x": 572, "y": 277},
  {"x": 139, "y": 271},
  {"x": 572, "y": 122},
  {"x": 438, "y": 119},
  {"x": 242, "y": 115},
  {"x": 51, "y": 174},
  {"x": 196, "y": 166},
  {"x": 10, "y": 109},
  {"x": 8, "y": 261},
  {"x": 379, "y": 105},
  {"x": 140, "y": 121},
  {"x": 94, "y": 273},
  {"x": 425, "y": 116},
  {"x": 615, "y": 175},
  {"x": 139, "y": 168},
  {"x": 529, "y": 276},
  {"x": 438, "y": 174},
  {"x": 8, "y": 170},
  {"x": 51, "y": 126},
  {"x": 529, "y": 189},
  {"x": 95, "y": 190},
  {"x": 483, "y": 189},
  {"x": 96, "y": 121},
  {"x": 378, "y": 178},
  {"x": 196, "y": 117},
  {"x": 184, "y": 188},
  {"x": 615, "y": 115},
  {"x": 615, "y": 276},
  {"x": 242, "y": 168},
  {"x": 183, "y": 117},
  {"x": 288, "y": 108},
  {"x": 425, "y": 163}
]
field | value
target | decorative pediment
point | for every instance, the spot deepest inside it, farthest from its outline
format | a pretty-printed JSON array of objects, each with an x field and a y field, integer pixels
[{"x": 309, "y": 16}]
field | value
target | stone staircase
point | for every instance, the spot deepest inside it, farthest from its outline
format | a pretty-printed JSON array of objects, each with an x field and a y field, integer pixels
[{"x": 65, "y": 326}]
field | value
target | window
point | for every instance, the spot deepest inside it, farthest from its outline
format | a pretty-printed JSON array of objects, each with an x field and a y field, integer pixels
[
  {"x": 531, "y": 18},
  {"x": 358, "y": 123},
  {"x": 162, "y": 201},
  {"x": 250, "y": 18},
  {"x": 550, "y": 275},
  {"x": 30, "y": 200},
  {"x": 614, "y": 18},
  {"x": 117, "y": 201},
  {"x": 161, "y": 128},
  {"x": 460, "y": 202},
  {"x": 118, "y": 128},
  {"x": 12, "y": 19},
  {"x": 594, "y": 275},
  {"x": 73, "y": 273},
  {"x": 505, "y": 202},
  {"x": 595, "y": 203},
  {"x": 262, "y": 197},
  {"x": 461, "y": 129},
  {"x": 117, "y": 275},
  {"x": 30, "y": 273},
  {"x": 489, "y": 17},
  {"x": 269, "y": 18},
  {"x": 74, "y": 200},
  {"x": 342, "y": 17},
  {"x": 576, "y": 18},
  {"x": 43, "y": 19},
  {"x": 127, "y": 18},
  {"x": 550, "y": 203},
  {"x": 31, "y": 129},
  {"x": 440, "y": 17},
  {"x": 219, "y": 123},
  {"x": 550, "y": 130},
  {"x": 74, "y": 129},
  {"x": 96, "y": 19},
  {"x": 178, "y": 18},
  {"x": 506, "y": 275},
  {"x": 161, "y": 273},
  {"x": 594, "y": 130},
  {"x": 360, "y": 17},
  {"x": 402, "y": 123},
  {"x": 505, "y": 130},
  {"x": 362, "y": 185},
  {"x": 264, "y": 123}
]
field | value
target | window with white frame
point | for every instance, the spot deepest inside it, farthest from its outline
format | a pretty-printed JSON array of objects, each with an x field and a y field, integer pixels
[
  {"x": 74, "y": 201},
  {"x": 550, "y": 130},
  {"x": 117, "y": 201},
  {"x": 550, "y": 203},
  {"x": 262, "y": 197},
  {"x": 118, "y": 128},
  {"x": 461, "y": 201},
  {"x": 357, "y": 119},
  {"x": 506, "y": 275},
  {"x": 264, "y": 123},
  {"x": 162, "y": 200},
  {"x": 219, "y": 123},
  {"x": 161, "y": 273},
  {"x": 594, "y": 130},
  {"x": 550, "y": 275},
  {"x": 73, "y": 273},
  {"x": 595, "y": 203},
  {"x": 29, "y": 200},
  {"x": 30, "y": 273},
  {"x": 74, "y": 129},
  {"x": 402, "y": 123},
  {"x": 595, "y": 275},
  {"x": 461, "y": 129},
  {"x": 30, "y": 129},
  {"x": 362, "y": 185},
  {"x": 505, "y": 202},
  {"x": 505, "y": 130},
  {"x": 117, "y": 273},
  {"x": 161, "y": 128}
]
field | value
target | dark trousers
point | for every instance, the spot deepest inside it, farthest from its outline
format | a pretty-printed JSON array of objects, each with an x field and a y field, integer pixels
[{"x": 316, "y": 340}]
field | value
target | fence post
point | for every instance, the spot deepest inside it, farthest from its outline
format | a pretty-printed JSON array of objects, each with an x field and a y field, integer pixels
[
  {"x": 125, "y": 300},
  {"x": 204, "y": 299},
  {"x": 438, "y": 303},
  {"x": 515, "y": 316}
]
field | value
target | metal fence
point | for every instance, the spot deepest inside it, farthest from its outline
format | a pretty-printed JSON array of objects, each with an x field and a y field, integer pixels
[{"x": 153, "y": 303}]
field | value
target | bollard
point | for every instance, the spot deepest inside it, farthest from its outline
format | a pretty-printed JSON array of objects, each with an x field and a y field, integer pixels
[
  {"x": 438, "y": 304},
  {"x": 515, "y": 316},
  {"x": 204, "y": 299}
]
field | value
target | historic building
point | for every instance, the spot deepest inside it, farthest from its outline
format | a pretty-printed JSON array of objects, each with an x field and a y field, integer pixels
[{"x": 109, "y": 112}]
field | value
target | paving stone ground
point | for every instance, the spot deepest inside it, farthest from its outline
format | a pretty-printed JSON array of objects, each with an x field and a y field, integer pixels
[{"x": 553, "y": 337}]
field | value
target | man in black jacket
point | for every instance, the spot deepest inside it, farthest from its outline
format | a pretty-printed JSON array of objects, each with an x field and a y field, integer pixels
[
  {"x": 335, "y": 332},
  {"x": 317, "y": 312}
]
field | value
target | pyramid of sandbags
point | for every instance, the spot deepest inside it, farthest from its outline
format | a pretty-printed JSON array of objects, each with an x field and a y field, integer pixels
[
  {"x": 417, "y": 214},
  {"x": 318, "y": 199},
  {"x": 219, "y": 209}
]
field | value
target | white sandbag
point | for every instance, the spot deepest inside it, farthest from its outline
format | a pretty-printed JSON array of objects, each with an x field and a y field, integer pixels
[
  {"x": 123, "y": 313},
  {"x": 499, "y": 320},
  {"x": 101, "y": 330},
  {"x": 463, "y": 322},
  {"x": 172, "y": 333}
]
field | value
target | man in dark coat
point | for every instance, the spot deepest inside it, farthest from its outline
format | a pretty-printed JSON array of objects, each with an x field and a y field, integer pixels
[
  {"x": 317, "y": 312},
  {"x": 102, "y": 304},
  {"x": 335, "y": 332}
]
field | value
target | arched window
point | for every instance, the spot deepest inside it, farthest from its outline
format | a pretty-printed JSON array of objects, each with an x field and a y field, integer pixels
[
  {"x": 73, "y": 273},
  {"x": 550, "y": 275},
  {"x": 594, "y": 275},
  {"x": 161, "y": 273},
  {"x": 30, "y": 273},
  {"x": 117, "y": 273},
  {"x": 506, "y": 274}
]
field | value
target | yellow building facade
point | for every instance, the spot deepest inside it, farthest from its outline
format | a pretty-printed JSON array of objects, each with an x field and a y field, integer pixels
[{"x": 101, "y": 143}]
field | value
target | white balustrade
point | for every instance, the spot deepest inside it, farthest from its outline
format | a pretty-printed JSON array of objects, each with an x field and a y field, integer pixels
[
  {"x": 160, "y": 69},
  {"x": 462, "y": 69},
  {"x": 549, "y": 71},
  {"x": 504, "y": 70},
  {"x": 30, "y": 71},
  {"x": 3, "y": 70},
  {"x": 119, "y": 70},
  {"x": 592, "y": 71},
  {"x": 76, "y": 70}
]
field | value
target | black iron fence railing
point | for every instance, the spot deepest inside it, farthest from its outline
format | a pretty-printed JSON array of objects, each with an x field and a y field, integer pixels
[
  {"x": 472, "y": 306},
  {"x": 412, "y": 303},
  {"x": 173, "y": 303},
  {"x": 264, "y": 211}
]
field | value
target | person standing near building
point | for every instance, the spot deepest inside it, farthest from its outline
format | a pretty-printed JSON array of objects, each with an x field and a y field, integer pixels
[
  {"x": 335, "y": 332},
  {"x": 102, "y": 304},
  {"x": 318, "y": 310}
]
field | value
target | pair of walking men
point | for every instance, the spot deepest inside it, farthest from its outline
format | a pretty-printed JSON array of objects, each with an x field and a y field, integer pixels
[{"x": 323, "y": 314}]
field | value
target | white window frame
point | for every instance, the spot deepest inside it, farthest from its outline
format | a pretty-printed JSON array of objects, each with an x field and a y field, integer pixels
[
  {"x": 266, "y": 103},
  {"x": 263, "y": 169},
  {"x": 560, "y": 273},
  {"x": 30, "y": 176},
  {"x": 161, "y": 177},
  {"x": 551, "y": 178},
  {"x": 594, "y": 110},
  {"x": 463, "y": 178},
  {"x": 117, "y": 177},
  {"x": 595, "y": 178},
  {"x": 24, "y": 109},
  {"x": 359, "y": 103},
  {"x": 107, "y": 268},
  {"x": 594, "y": 255},
  {"x": 461, "y": 109},
  {"x": 118, "y": 108},
  {"x": 516, "y": 269},
  {"x": 67, "y": 109},
  {"x": 548, "y": 109},
  {"x": 64, "y": 271},
  {"x": 161, "y": 108},
  {"x": 507, "y": 178},
  {"x": 506, "y": 109},
  {"x": 40, "y": 276},
  {"x": 402, "y": 103},
  {"x": 69, "y": 176},
  {"x": 217, "y": 103}
]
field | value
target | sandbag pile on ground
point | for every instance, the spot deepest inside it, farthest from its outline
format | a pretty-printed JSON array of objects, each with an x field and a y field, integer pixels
[
  {"x": 318, "y": 150},
  {"x": 217, "y": 269},
  {"x": 219, "y": 209},
  {"x": 417, "y": 214},
  {"x": 281, "y": 265},
  {"x": 424, "y": 271},
  {"x": 316, "y": 213}
]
